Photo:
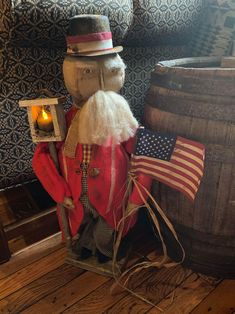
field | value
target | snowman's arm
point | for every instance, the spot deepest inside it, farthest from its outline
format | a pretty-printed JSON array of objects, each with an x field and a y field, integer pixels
[{"x": 48, "y": 175}]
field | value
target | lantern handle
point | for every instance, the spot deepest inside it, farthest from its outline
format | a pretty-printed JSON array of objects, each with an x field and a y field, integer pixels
[{"x": 45, "y": 92}]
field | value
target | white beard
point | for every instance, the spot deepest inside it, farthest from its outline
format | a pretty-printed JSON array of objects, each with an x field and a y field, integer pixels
[{"x": 106, "y": 119}]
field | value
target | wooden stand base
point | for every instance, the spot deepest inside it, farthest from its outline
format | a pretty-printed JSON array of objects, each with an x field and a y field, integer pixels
[{"x": 91, "y": 264}]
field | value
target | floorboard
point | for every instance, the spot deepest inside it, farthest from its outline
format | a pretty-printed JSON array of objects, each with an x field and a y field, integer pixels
[
  {"x": 186, "y": 296},
  {"x": 100, "y": 299},
  {"x": 37, "y": 280},
  {"x": 158, "y": 285},
  {"x": 67, "y": 295},
  {"x": 28, "y": 274},
  {"x": 221, "y": 300},
  {"x": 31, "y": 254},
  {"x": 39, "y": 289}
]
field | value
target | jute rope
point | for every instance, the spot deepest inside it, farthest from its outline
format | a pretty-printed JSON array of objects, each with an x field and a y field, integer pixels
[{"x": 164, "y": 262}]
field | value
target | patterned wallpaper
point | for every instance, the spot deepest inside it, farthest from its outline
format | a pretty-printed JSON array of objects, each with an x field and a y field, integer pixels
[
  {"x": 139, "y": 22},
  {"x": 160, "y": 20},
  {"x": 35, "y": 66},
  {"x": 44, "y": 23},
  {"x": 5, "y": 26}
]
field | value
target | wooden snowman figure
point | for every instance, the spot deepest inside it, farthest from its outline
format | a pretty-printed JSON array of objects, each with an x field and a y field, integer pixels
[{"x": 94, "y": 159}]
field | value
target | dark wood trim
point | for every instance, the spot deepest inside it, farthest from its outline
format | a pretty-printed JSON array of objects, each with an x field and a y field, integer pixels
[
  {"x": 35, "y": 225},
  {"x": 5, "y": 253}
]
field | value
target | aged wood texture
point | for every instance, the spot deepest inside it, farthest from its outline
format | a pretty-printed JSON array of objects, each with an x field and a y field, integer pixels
[
  {"x": 67, "y": 295},
  {"x": 186, "y": 296},
  {"x": 42, "y": 101},
  {"x": 194, "y": 75},
  {"x": 5, "y": 253},
  {"x": 61, "y": 288},
  {"x": 31, "y": 254},
  {"x": 38, "y": 289},
  {"x": 6, "y": 214},
  {"x": 192, "y": 104},
  {"x": 198, "y": 103},
  {"x": 221, "y": 300},
  {"x": 78, "y": 288},
  {"x": 31, "y": 272},
  {"x": 46, "y": 220},
  {"x": 95, "y": 302},
  {"x": 16, "y": 204},
  {"x": 159, "y": 285}
]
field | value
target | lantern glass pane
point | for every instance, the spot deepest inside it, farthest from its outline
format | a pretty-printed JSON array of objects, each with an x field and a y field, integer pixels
[{"x": 43, "y": 121}]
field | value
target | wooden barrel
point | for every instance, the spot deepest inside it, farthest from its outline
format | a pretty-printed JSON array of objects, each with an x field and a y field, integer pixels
[{"x": 195, "y": 98}]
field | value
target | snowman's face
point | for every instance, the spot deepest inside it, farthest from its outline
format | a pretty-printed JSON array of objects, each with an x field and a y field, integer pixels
[{"x": 84, "y": 76}]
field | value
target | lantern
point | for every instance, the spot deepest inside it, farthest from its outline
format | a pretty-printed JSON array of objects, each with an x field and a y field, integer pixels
[{"x": 46, "y": 118}]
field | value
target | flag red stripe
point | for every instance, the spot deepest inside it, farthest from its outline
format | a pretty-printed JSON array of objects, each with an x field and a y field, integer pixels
[
  {"x": 192, "y": 161},
  {"x": 187, "y": 163},
  {"x": 193, "y": 143},
  {"x": 155, "y": 173},
  {"x": 168, "y": 166},
  {"x": 176, "y": 184},
  {"x": 192, "y": 169},
  {"x": 183, "y": 153},
  {"x": 188, "y": 150},
  {"x": 176, "y": 187},
  {"x": 183, "y": 165}
]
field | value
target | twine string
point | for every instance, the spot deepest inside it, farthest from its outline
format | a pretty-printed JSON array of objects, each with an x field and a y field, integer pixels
[{"x": 146, "y": 264}]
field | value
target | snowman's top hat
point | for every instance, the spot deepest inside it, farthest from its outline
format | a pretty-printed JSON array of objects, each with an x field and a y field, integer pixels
[{"x": 90, "y": 35}]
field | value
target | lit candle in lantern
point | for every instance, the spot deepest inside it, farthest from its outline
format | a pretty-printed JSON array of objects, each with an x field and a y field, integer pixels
[{"x": 44, "y": 121}]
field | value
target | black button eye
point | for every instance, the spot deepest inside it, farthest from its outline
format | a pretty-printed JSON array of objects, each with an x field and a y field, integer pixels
[{"x": 87, "y": 71}]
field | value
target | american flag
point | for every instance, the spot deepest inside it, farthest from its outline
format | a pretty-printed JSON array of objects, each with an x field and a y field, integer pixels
[{"x": 173, "y": 160}]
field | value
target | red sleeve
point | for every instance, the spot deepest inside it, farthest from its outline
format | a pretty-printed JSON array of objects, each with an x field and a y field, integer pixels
[
  {"x": 48, "y": 175},
  {"x": 135, "y": 197},
  {"x": 129, "y": 145},
  {"x": 143, "y": 179}
]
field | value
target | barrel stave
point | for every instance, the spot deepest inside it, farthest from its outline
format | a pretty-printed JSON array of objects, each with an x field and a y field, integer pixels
[{"x": 199, "y": 104}]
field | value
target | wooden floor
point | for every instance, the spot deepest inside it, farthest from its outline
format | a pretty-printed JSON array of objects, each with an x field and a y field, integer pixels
[{"x": 37, "y": 280}]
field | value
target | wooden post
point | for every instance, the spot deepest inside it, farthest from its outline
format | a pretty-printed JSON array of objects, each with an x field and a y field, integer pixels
[
  {"x": 65, "y": 224},
  {"x": 62, "y": 209},
  {"x": 53, "y": 153},
  {"x": 5, "y": 253}
]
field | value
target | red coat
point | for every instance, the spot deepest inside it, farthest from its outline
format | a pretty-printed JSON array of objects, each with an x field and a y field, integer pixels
[{"x": 106, "y": 191}]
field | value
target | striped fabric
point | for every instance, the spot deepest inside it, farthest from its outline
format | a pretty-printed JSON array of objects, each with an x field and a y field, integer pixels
[{"x": 175, "y": 161}]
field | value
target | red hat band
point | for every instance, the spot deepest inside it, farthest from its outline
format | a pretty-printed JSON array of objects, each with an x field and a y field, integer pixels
[{"x": 89, "y": 42}]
